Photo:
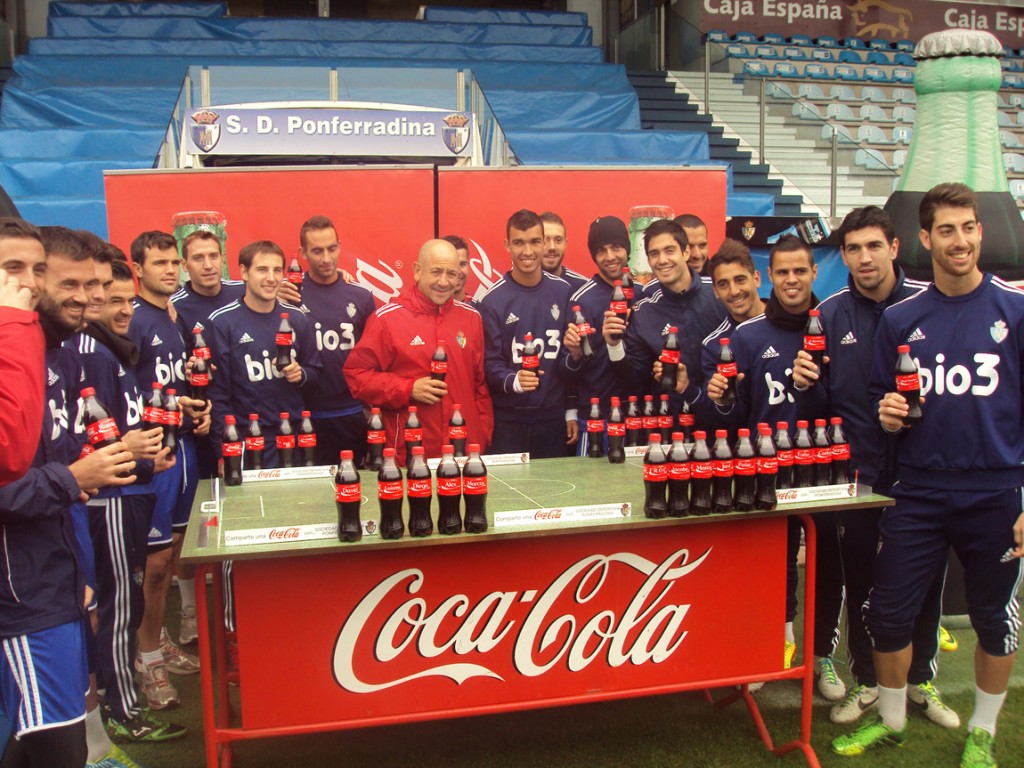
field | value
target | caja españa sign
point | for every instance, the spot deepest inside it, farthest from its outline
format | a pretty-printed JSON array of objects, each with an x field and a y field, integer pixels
[{"x": 415, "y": 630}]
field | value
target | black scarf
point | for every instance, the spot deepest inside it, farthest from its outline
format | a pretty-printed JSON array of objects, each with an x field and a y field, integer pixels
[
  {"x": 778, "y": 315},
  {"x": 124, "y": 349},
  {"x": 54, "y": 333}
]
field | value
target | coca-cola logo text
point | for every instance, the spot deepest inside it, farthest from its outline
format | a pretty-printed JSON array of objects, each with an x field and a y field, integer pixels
[
  {"x": 267, "y": 474},
  {"x": 281, "y": 534},
  {"x": 789, "y": 495}
]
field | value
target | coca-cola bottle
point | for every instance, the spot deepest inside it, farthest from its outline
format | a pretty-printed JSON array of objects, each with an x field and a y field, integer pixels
[
  {"x": 840, "y": 452},
  {"x": 474, "y": 491},
  {"x": 767, "y": 466},
  {"x": 375, "y": 438},
  {"x": 283, "y": 339},
  {"x": 670, "y": 360},
  {"x": 814, "y": 337},
  {"x": 619, "y": 305},
  {"x": 651, "y": 424},
  {"x": 172, "y": 421},
  {"x": 595, "y": 430},
  {"x": 449, "y": 492},
  {"x": 254, "y": 443},
  {"x": 627, "y": 287},
  {"x": 908, "y": 384},
  {"x": 348, "y": 494},
  {"x": 412, "y": 434},
  {"x": 701, "y": 475},
  {"x": 100, "y": 428},
  {"x": 686, "y": 422},
  {"x": 634, "y": 422},
  {"x": 531, "y": 354},
  {"x": 199, "y": 379},
  {"x": 722, "y": 473},
  {"x": 727, "y": 368},
  {"x": 822, "y": 454},
  {"x": 616, "y": 433},
  {"x": 585, "y": 331},
  {"x": 201, "y": 351},
  {"x": 665, "y": 419},
  {"x": 457, "y": 430},
  {"x": 307, "y": 441},
  {"x": 784, "y": 455},
  {"x": 439, "y": 363},
  {"x": 153, "y": 408},
  {"x": 803, "y": 457},
  {"x": 655, "y": 478},
  {"x": 389, "y": 497},
  {"x": 420, "y": 491},
  {"x": 231, "y": 450},
  {"x": 678, "y": 477},
  {"x": 744, "y": 493},
  {"x": 285, "y": 442},
  {"x": 294, "y": 275}
]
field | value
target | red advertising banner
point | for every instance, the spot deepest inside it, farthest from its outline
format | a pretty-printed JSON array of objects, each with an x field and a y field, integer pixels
[
  {"x": 507, "y": 624},
  {"x": 476, "y": 204}
]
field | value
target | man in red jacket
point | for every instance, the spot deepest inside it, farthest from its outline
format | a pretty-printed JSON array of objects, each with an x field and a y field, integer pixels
[{"x": 390, "y": 366}]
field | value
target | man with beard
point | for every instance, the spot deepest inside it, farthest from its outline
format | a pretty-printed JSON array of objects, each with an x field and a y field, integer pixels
[
  {"x": 555, "y": 242},
  {"x": 462, "y": 252}
]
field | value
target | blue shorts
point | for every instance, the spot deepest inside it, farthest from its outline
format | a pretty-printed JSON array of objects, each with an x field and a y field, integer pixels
[
  {"x": 916, "y": 536},
  {"x": 44, "y": 678},
  {"x": 175, "y": 491}
]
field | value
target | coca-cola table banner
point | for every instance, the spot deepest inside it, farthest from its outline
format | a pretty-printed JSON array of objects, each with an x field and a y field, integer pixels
[{"x": 541, "y": 613}]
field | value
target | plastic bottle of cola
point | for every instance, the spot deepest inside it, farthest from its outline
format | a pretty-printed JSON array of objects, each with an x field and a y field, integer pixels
[
  {"x": 655, "y": 478},
  {"x": 254, "y": 443},
  {"x": 285, "y": 441},
  {"x": 678, "y": 477},
  {"x": 449, "y": 492},
  {"x": 616, "y": 433},
  {"x": 908, "y": 384},
  {"x": 701, "y": 475},
  {"x": 231, "y": 449},
  {"x": 595, "y": 430},
  {"x": 348, "y": 494},
  {"x": 745, "y": 472},
  {"x": 722, "y": 473},
  {"x": 474, "y": 491},
  {"x": 420, "y": 491},
  {"x": 389, "y": 497}
]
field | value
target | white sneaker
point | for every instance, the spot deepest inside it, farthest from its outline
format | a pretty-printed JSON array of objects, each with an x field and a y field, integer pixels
[
  {"x": 160, "y": 693},
  {"x": 927, "y": 698},
  {"x": 188, "y": 631},
  {"x": 829, "y": 684},
  {"x": 178, "y": 662},
  {"x": 857, "y": 701}
]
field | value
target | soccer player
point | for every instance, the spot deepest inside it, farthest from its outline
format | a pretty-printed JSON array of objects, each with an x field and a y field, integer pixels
[
  {"x": 390, "y": 366},
  {"x": 869, "y": 248},
  {"x": 555, "y": 242},
  {"x": 530, "y": 411},
  {"x": 697, "y": 236},
  {"x": 462, "y": 251},
  {"x": 338, "y": 312},
  {"x": 960, "y": 471}
]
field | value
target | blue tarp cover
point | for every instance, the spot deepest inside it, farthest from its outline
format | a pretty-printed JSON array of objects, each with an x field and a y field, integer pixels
[
  {"x": 89, "y": 107},
  {"x": 535, "y": 108},
  {"x": 503, "y": 16},
  {"x": 83, "y": 178},
  {"x": 82, "y": 143},
  {"x": 183, "y": 8},
  {"x": 609, "y": 147}
]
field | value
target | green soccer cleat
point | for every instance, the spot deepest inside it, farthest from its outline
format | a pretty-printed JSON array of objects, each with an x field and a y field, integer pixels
[
  {"x": 858, "y": 700},
  {"x": 830, "y": 686},
  {"x": 947, "y": 642},
  {"x": 115, "y": 758},
  {"x": 788, "y": 654},
  {"x": 980, "y": 750},
  {"x": 143, "y": 727},
  {"x": 926, "y": 697},
  {"x": 868, "y": 736}
]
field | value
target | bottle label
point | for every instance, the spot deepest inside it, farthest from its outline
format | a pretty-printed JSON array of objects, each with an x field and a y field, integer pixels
[
  {"x": 823, "y": 455},
  {"x": 419, "y": 488},
  {"x": 152, "y": 415},
  {"x": 86, "y": 450},
  {"x": 745, "y": 466},
  {"x": 616, "y": 429},
  {"x": 627, "y": 291},
  {"x": 655, "y": 473},
  {"x": 908, "y": 382},
  {"x": 307, "y": 440},
  {"x": 670, "y": 356},
  {"x": 474, "y": 486},
  {"x": 295, "y": 278},
  {"x": 449, "y": 486},
  {"x": 595, "y": 425},
  {"x": 457, "y": 433},
  {"x": 199, "y": 379},
  {"x": 389, "y": 489},
  {"x": 439, "y": 367},
  {"x": 841, "y": 452},
  {"x": 412, "y": 435},
  {"x": 767, "y": 465},
  {"x": 686, "y": 420},
  {"x": 814, "y": 343},
  {"x": 634, "y": 422},
  {"x": 531, "y": 362},
  {"x": 727, "y": 369},
  {"x": 650, "y": 422},
  {"x": 803, "y": 456},
  {"x": 346, "y": 492},
  {"x": 202, "y": 353},
  {"x": 283, "y": 339},
  {"x": 103, "y": 429},
  {"x": 619, "y": 307},
  {"x": 169, "y": 418},
  {"x": 785, "y": 458},
  {"x": 665, "y": 421},
  {"x": 375, "y": 436},
  {"x": 584, "y": 328},
  {"x": 254, "y": 443},
  {"x": 232, "y": 449},
  {"x": 285, "y": 442},
  {"x": 679, "y": 470},
  {"x": 702, "y": 470},
  {"x": 722, "y": 468}
]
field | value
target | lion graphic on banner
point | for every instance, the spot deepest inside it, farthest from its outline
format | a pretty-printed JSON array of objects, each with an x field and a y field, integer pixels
[{"x": 899, "y": 30}]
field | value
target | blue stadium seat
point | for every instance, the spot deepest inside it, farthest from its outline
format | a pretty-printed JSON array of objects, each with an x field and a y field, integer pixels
[
  {"x": 842, "y": 133},
  {"x": 794, "y": 53},
  {"x": 810, "y": 91},
  {"x": 876, "y": 74},
  {"x": 1020, "y": 119},
  {"x": 800, "y": 40},
  {"x": 827, "y": 41},
  {"x": 806, "y": 110},
  {"x": 767, "y": 52},
  {"x": 904, "y": 60},
  {"x": 738, "y": 50},
  {"x": 1017, "y": 189},
  {"x": 879, "y": 57},
  {"x": 717, "y": 36},
  {"x": 774, "y": 38},
  {"x": 1013, "y": 162},
  {"x": 902, "y": 134},
  {"x": 874, "y": 94},
  {"x": 851, "y": 57},
  {"x": 786, "y": 69},
  {"x": 904, "y": 95},
  {"x": 1003, "y": 119},
  {"x": 846, "y": 72},
  {"x": 907, "y": 46},
  {"x": 878, "y": 44},
  {"x": 823, "y": 54},
  {"x": 778, "y": 90},
  {"x": 844, "y": 93},
  {"x": 872, "y": 134},
  {"x": 904, "y": 114},
  {"x": 854, "y": 42},
  {"x": 871, "y": 160},
  {"x": 902, "y": 75},
  {"x": 874, "y": 114},
  {"x": 840, "y": 111},
  {"x": 745, "y": 37},
  {"x": 1011, "y": 65},
  {"x": 1009, "y": 140},
  {"x": 1012, "y": 80},
  {"x": 758, "y": 69},
  {"x": 899, "y": 158},
  {"x": 817, "y": 70}
]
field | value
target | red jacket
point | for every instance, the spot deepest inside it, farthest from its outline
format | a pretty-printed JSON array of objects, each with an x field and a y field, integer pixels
[
  {"x": 22, "y": 376},
  {"x": 395, "y": 350}
]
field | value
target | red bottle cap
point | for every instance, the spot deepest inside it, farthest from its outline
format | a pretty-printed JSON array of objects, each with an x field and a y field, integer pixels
[
  {"x": 346, "y": 455},
  {"x": 88, "y": 392}
]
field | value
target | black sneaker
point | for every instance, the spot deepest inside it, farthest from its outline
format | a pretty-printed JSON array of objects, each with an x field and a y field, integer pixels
[{"x": 143, "y": 727}]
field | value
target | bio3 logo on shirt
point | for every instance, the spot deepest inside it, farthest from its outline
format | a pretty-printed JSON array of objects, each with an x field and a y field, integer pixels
[
  {"x": 959, "y": 379},
  {"x": 263, "y": 370},
  {"x": 344, "y": 338},
  {"x": 777, "y": 392},
  {"x": 549, "y": 348},
  {"x": 169, "y": 371}
]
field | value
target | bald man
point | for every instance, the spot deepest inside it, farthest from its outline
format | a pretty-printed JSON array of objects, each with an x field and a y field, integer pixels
[{"x": 390, "y": 366}]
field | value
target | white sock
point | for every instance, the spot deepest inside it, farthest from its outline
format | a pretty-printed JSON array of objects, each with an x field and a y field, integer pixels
[
  {"x": 96, "y": 738},
  {"x": 187, "y": 589},
  {"x": 892, "y": 706},
  {"x": 790, "y": 637},
  {"x": 986, "y": 710},
  {"x": 152, "y": 657}
]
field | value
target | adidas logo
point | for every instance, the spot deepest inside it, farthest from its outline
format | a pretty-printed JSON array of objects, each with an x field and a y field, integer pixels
[
  {"x": 511, "y": 318},
  {"x": 156, "y": 342},
  {"x": 51, "y": 377},
  {"x": 1007, "y": 556},
  {"x": 120, "y": 372},
  {"x": 769, "y": 354},
  {"x": 155, "y": 533},
  {"x": 917, "y": 335},
  {"x": 849, "y": 338},
  {"x": 664, "y": 331},
  {"x": 246, "y": 338},
  {"x": 416, "y": 341}
]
